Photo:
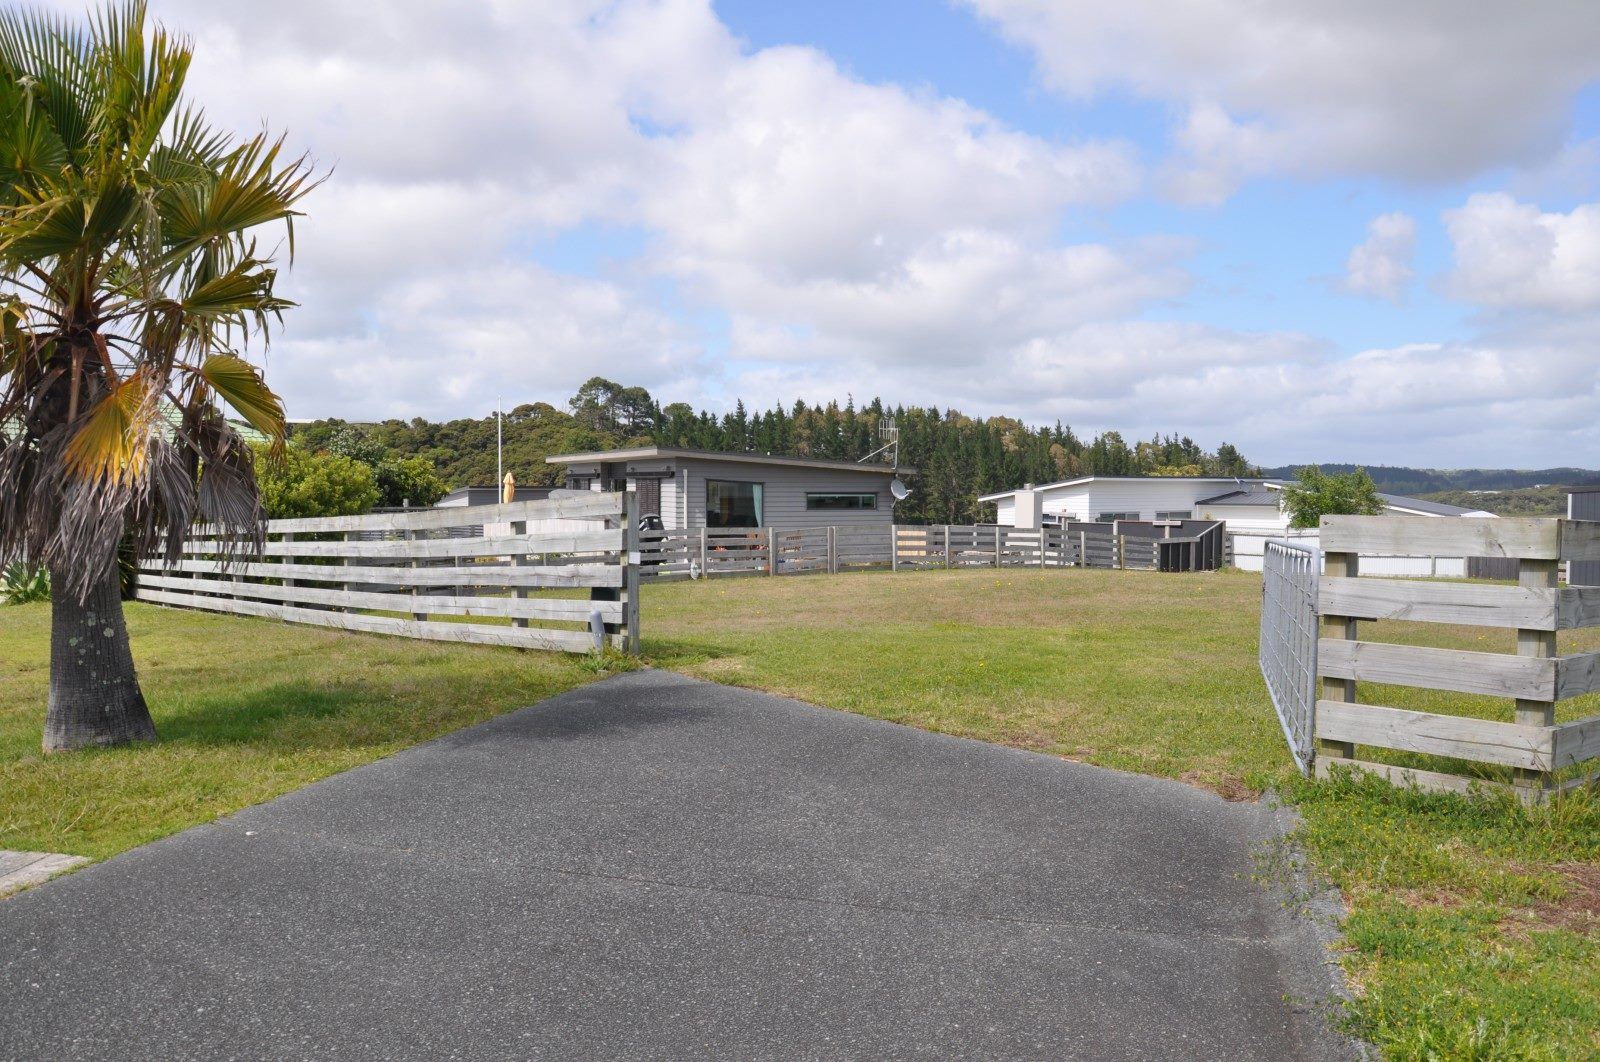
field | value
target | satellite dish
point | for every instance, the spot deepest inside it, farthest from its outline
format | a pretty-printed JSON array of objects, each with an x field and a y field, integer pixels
[{"x": 900, "y": 491}]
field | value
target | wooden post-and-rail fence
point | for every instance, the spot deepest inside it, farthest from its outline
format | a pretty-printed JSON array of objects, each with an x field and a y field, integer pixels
[
  {"x": 1540, "y": 755},
  {"x": 793, "y": 551},
  {"x": 489, "y": 574}
]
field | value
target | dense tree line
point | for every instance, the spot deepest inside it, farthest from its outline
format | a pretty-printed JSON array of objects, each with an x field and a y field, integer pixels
[{"x": 957, "y": 457}]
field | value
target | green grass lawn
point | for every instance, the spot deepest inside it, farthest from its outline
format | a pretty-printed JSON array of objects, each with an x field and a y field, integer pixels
[
  {"x": 1472, "y": 928},
  {"x": 247, "y": 709}
]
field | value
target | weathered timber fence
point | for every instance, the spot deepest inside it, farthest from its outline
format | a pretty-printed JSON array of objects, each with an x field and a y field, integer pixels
[
  {"x": 761, "y": 551},
  {"x": 1540, "y": 754},
  {"x": 408, "y": 573},
  {"x": 779, "y": 551}
]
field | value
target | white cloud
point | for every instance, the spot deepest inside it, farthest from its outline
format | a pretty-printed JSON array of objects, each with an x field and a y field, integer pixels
[
  {"x": 770, "y": 187},
  {"x": 1286, "y": 397},
  {"x": 808, "y": 234},
  {"x": 1510, "y": 254},
  {"x": 447, "y": 345},
  {"x": 1381, "y": 265},
  {"x": 811, "y": 175},
  {"x": 1420, "y": 91}
]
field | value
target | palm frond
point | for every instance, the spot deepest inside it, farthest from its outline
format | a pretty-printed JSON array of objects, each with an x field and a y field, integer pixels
[
  {"x": 112, "y": 443},
  {"x": 241, "y": 386},
  {"x": 53, "y": 56},
  {"x": 249, "y": 189},
  {"x": 30, "y": 149}
]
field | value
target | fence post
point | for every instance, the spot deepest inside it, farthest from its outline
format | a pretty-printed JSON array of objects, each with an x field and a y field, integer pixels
[
  {"x": 894, "y": 547},
  {"x": 630, "y": 570},
  {"x": 772, "y": 550},
  {"x": 411, "y": 536},
  {"x": 833, "y": 550},
  {"x": 1044, "y": 543},
  {"x": 520, "y": 527},
  {"x": 344, "y": 562},
  {"x": 705, "y": 570},
  {"x": 998, "y": 538},
  {"x": 1083, "y": 549},
  {"x": 1539, "y": 575},
  {"x": 1333, "y": 689},
  {"x": 287, "y": 558},
  {"x": 1121, "y": 546}
]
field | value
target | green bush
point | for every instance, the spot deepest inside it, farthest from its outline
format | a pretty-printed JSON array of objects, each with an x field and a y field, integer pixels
[
  {"x": 409, "y": 481},
  {"x": 21, "y": 583},
  {"x": 302, "y": 483},
  {"x": 402, "y": 481},
  {"x": 1319, "y": 494}
]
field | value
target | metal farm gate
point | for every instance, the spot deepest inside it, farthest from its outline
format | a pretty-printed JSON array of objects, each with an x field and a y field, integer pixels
[{"x": 1288, "y": 653}]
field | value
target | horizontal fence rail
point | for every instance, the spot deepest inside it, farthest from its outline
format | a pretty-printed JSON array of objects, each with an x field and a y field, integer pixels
[
  {"x": 491, "y": 574},
  {"x": 1539, "y": 755}
]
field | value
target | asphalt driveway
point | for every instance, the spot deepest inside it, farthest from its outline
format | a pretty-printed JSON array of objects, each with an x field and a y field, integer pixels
[{"x": 657, "y": 867}]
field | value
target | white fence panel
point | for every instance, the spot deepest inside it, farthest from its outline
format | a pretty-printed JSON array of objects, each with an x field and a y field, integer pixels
[
  {"x": 1248, "y": 548},
  {"x": 436, "y": 574}
]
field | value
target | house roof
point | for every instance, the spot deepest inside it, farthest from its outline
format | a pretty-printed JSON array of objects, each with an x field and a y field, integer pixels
[
  {"x": 1236, "y": 481},
  {"x": 1259, "y": 492},
  {"x": 520, "y": 489},
  {"x": 1256, "y": 496},
  {"x": 1428, "y": 508},
  {"x": 646, "y": 453}
]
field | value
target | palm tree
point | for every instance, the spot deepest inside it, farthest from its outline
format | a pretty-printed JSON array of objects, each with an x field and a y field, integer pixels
[{"x": 130, "y": 284}]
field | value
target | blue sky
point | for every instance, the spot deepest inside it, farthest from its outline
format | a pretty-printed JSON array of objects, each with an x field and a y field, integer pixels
[
  {"x": 1269, "y": 258},
  {"x": 1363, "y": 232}
]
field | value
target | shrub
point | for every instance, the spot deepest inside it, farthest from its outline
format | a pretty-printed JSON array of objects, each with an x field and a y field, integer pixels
[
  {"x": 21, "y": 583},
  {"x": 1319, "y": 494},
  {"x": 302, "y": 483}
]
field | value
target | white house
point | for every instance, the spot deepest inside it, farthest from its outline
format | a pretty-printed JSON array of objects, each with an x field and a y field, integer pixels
[
  {"x": 1251, "y": 508},
  {"x": 1244, "y": 504}
]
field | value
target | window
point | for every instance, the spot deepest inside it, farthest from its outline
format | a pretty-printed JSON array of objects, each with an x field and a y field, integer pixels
[
  {"x": 649, "y": 490},
  {"x": 732, "y": 504},
  {"x": 841, "y": 501},
  {"x": 1176, "y": 514},
  {"x": 1106, "y": 518}
]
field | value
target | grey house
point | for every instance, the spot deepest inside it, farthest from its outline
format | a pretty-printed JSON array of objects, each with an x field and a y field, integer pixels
[
  {"x": 490, "y": 496},
  {"x": 690, "y": 489}
]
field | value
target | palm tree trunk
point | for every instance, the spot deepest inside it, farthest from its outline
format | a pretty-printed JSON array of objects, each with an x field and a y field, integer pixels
[{"x": 94, "y": 693}]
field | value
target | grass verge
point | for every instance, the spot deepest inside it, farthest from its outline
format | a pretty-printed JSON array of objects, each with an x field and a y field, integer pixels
[{"x": 247, "y": 709}]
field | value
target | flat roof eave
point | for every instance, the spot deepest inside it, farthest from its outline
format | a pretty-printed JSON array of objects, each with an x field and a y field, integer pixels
[
  {"x": 647, "y": 453},
  {"x": 1270, "y": 484}
]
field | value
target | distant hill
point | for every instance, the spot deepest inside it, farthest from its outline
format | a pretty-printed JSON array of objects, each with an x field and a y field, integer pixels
[
  {"x": 1430, "y": 481},
  {"x": 1523, "y": 501}
]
